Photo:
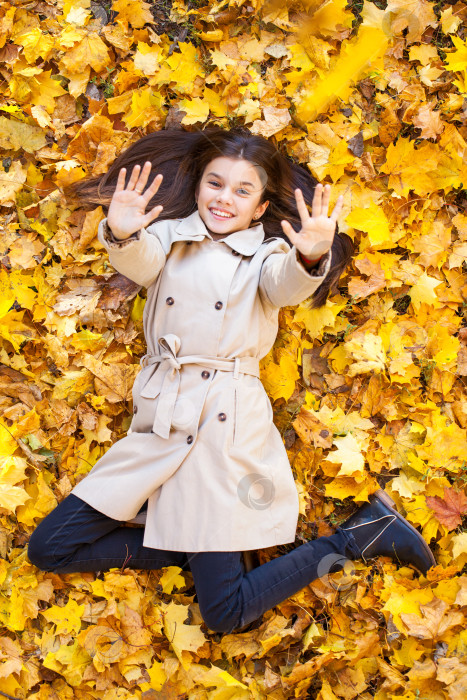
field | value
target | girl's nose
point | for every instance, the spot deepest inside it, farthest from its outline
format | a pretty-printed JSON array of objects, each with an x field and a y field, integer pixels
[{"x": 224, "y": 196}]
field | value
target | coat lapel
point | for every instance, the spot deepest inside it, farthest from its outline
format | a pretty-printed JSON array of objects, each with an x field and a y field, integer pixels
[{"x": 245, "y": 242}]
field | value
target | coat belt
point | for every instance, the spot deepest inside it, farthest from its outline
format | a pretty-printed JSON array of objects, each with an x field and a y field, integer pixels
[{"x": 169, "y": 360}]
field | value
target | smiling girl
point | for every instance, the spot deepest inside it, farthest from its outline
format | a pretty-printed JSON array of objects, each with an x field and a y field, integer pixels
[{"x": 221, "y": 238}]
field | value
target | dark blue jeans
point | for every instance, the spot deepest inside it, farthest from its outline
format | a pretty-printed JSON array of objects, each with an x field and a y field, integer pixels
[{"x": 76, "y": 537}]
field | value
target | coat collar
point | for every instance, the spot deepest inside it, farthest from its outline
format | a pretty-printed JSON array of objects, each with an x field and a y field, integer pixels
[{"x": 245, "y": 242}]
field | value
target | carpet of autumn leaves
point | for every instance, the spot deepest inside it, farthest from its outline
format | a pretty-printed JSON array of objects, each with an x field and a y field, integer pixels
[{"x": 367, "y": 391}]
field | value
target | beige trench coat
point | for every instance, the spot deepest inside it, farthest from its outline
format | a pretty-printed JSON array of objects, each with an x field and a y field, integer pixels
[{"x": 202, "y": 447}]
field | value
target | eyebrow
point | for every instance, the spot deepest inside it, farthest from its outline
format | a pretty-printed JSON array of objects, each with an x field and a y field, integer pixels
[{"x": 242, "y": 182}]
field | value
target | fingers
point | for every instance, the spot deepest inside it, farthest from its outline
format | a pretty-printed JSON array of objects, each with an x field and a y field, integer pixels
[
  {"x": 154, "y": 186},
  {"x": 121, "y": 180},
  {"x": 139, "y": 177},
  {"x": 338, "y": 208},
  {"x": 325, "y": 200},
  {"x": 321, "y": 197},
  {"x": 133, "y": 178},
  {"x": 301, "y": 205},
  {"x": 138, "y": 180},
  {"x": 316, "y": 203}
]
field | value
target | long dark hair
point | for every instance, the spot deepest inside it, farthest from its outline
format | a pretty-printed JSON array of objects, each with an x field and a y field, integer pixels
[{"x": 181, "y": 157}]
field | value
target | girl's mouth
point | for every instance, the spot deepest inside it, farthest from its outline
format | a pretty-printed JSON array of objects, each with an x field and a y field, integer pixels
[{"x": 220, "y": 214}]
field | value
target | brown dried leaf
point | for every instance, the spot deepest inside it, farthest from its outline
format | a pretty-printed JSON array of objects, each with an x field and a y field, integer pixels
[
  {"x": 311, "y": 430},
  {"x": 450, "y": 509}
]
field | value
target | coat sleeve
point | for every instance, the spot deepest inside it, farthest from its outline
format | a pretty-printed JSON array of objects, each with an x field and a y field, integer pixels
[
  {"x": 140, "y": 257},
  {"x": 284, "y": 280}
]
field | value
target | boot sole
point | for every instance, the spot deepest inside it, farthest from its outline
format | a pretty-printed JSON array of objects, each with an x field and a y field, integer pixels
[{"x": 389, "y": 503}]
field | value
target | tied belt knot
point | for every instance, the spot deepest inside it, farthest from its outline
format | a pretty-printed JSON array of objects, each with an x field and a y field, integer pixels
[{"x": 168, "y": 360}]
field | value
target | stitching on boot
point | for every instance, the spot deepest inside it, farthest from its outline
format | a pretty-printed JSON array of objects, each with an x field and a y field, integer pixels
[{"x": 392, "y": 519}]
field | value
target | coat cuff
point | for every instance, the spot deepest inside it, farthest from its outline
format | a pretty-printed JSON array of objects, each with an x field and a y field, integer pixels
[
  {"x": 319, "y": 269},
  {"x": 113, "y": 242}
]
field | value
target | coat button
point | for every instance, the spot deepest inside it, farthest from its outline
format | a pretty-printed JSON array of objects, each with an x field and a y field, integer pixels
[
  {"x": 205, "y": 374},
  {"x": 235, "y": 252},
  {"x": 135, "y": 409},
  {"x": 222, "y": 416},
  {"x": 219, "y": 305},
  {"x": 169, "y": 301},
  {"x": 189, "y": 242},
  {"x": 189, "y": 439}
]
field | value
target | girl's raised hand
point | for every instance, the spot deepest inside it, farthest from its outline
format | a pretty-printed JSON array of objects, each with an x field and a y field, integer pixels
[
  {"x": 128, "y": 205},
  {"x": 317, "y": 233}
]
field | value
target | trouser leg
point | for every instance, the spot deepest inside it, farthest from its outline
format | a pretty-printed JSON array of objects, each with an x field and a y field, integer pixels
[
  {"x": 229, "y": 598},
  {"x": 76, "y": 537}
]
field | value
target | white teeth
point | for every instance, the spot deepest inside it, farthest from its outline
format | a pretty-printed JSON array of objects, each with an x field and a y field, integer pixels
[{"x": 221, "y": 213}]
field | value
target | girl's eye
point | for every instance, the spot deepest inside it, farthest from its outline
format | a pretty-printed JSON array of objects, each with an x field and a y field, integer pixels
[{"x": 241, "y": 190}]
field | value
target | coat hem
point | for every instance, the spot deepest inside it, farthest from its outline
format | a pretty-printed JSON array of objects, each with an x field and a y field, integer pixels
[{"x": 219, "y": 548}]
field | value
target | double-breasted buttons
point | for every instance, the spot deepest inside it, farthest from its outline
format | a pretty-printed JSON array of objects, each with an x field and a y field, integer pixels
[
  {"x": 222, "y": 416},
  {"x": 135, "y": 409},
  {"x": 169, "y": 301},
  {"x": 205, "y": 374},
  {"x": 189, "y": 439},
  {"x": 219, "y": 305}
]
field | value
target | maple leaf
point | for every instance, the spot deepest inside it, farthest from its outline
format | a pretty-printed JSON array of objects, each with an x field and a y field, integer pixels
[
  {"x": 423, "y": 292},
  {"x": 15, "y": 135},
  {"x": 184, "y": 67},
  {"x": 183, "y": 638},
  {"x": 414, "y": 15},
  {"x": 280, "y": 379},
  {"x": 197, "y": 110},
  {"x": 310, "y": 429},
  {"x": 449, "y": 21},
  {"x": 373, "y": 221},
  {"x": 457, "y": 60},
  {"x": 67, "y": 618},
  {"x": 348, "y": 455},
  {"x": 449, "y": 509},
  {"x": 368, "y": 351},
  {"x": 275, "y": 119},
  {"x": 90, "y": 51},
  {"x": 35, "y": 44},
  {"x": 133, "y": 12},
  {"x": 146, "y": 107},
  {"x": 147, "y": 58},
  {"x": 429, "y": 121},
  {"x": 436, "y": 620}
]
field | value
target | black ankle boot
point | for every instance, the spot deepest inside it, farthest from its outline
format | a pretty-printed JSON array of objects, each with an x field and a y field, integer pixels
[{"x": 379, "y": 529}]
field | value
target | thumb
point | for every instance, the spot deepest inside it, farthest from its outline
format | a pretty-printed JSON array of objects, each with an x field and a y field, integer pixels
[
  {"x": 287, "y": 228},
  {"x": 153, "y": 214}
]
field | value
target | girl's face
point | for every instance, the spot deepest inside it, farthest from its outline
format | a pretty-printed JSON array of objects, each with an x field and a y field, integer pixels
[{"x": 229, "y": 194}]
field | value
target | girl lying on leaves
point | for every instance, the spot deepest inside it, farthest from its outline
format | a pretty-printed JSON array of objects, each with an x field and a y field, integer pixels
[{"x": 221, "y": 238}]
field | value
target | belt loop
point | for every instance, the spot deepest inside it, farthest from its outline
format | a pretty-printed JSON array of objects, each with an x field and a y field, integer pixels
[{"x": 236, "y": 367}]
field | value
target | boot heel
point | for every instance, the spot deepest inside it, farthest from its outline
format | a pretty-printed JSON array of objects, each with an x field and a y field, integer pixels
[{"x": 385, "y": 498}]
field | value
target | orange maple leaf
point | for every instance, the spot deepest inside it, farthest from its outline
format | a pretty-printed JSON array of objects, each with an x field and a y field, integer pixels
[{"x": 449, "y": 510}]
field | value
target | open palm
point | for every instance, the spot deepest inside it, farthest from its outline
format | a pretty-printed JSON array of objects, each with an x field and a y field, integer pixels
[
  {"x": 317, "y": 233},
  {"x": 127, "y": 210}
]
